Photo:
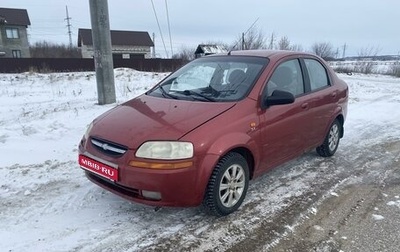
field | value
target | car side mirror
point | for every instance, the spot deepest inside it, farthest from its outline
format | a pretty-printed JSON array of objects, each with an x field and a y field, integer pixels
[{"x": 278, "y": 97}]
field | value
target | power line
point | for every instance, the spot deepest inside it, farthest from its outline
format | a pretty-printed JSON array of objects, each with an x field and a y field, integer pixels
[
  {"x": 243, "y": 34},
  {"x": 169, "y": 28},
  {"x": 159, "y": 28}
]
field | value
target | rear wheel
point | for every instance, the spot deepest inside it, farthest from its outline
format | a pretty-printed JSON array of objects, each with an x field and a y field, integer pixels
[
  {"x": 227, "y": 186},
  {"x": 331, "y": 142}
]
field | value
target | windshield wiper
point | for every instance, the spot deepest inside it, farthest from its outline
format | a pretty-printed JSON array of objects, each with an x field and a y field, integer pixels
[
  {"x": 166, "y": 94},
  {"x": 193, "y": 94}
]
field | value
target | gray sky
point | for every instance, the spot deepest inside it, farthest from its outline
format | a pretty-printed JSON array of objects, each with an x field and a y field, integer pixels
[{"x": 359, "y": 24}]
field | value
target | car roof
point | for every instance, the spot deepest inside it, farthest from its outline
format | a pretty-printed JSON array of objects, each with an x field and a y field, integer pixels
[{"x": 267, "y": 53}]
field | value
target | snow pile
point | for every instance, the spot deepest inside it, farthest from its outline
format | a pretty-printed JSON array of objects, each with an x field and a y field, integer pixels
[{"x": 43, "y": 116}]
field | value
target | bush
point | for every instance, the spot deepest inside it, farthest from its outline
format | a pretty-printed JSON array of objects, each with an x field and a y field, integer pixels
[
  {"x": 45, "y": 49},
  {"x": 365, "y": 67},
  {"x": 394, "y": 70},
  {"x": 343, "y": 69}
]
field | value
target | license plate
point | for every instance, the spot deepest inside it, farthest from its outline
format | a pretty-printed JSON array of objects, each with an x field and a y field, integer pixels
[{"x": 99, "y": 168}]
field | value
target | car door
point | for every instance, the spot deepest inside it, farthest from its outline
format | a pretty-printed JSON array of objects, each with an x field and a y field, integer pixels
[
  {"x": 322, "y": 101},
  {"x": 284, "y": 127}
]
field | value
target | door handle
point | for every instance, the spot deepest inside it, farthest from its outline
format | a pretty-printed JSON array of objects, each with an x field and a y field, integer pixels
[
  {"x": 334, "y": 95},
  {"x": 304, "y": 105}
]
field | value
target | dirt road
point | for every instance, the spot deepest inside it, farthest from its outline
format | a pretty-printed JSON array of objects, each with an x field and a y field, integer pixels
[
  {"x": 350, "y": 205},
  {"x": 363, "y": 215}
]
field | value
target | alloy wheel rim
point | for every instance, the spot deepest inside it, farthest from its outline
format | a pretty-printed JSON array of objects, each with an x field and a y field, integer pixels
[
  {"x": 333, "y": 137},
  {"x": 232, "y": 185}
]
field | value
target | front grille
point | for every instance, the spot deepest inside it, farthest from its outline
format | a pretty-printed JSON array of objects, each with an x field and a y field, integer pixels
[{"x": 109, "y": 148}]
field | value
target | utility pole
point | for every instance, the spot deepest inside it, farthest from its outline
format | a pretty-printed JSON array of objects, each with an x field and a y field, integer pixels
[
  {"x": 243, "y": 46},
  {"x": 344, "y": 50},
  {"x": 68, "y": 19},
  {"x": 103, "y": 60}
]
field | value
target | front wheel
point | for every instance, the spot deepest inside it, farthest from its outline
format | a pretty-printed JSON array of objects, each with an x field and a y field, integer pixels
[
  {"x": 331, "y": 142},
  {"x": 227, "y": 186}
]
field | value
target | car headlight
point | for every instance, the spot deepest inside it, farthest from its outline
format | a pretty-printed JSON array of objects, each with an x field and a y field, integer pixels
[{"x": 165, "y": 150}]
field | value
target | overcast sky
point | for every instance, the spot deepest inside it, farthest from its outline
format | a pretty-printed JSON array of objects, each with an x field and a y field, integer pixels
[{"x": 359, "y": 24}]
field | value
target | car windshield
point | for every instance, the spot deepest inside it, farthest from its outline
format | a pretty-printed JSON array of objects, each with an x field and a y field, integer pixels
[{"x": 212, "y": 79}]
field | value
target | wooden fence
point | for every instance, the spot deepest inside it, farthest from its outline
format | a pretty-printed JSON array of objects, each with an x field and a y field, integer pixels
[{"x": 11, "y": 65}]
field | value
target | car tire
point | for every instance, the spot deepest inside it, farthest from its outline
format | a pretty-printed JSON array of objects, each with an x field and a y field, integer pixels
[
  {"x": 227, "y": 186},
  {"x": 331, "y": 142}
]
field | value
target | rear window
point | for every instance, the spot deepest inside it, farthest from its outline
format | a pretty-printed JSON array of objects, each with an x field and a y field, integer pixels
[{"x": 317, "y": 73}]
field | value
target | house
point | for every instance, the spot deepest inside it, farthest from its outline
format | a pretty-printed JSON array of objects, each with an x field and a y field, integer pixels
[
  {"x": 203, "y": 50},
  {"x": 125, "y": 44},
  {"x": 13, "y": 33}
]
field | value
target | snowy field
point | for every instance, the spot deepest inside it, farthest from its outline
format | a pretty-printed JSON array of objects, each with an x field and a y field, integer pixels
[{"x": 48, "y": 205}]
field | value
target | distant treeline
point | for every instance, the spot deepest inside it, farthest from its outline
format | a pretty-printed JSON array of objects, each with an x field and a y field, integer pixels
[
  {"x": 374, "y": 58},
  {"x": 45, "y": 49}
]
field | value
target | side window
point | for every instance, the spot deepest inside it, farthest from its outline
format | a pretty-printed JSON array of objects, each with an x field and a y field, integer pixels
[
  {"x": 317, "y": 73},
  {"x": 287, "y": 77}
]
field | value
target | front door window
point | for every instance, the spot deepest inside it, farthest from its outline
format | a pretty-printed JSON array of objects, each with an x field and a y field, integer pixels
[{"x": 287, "y": 77}]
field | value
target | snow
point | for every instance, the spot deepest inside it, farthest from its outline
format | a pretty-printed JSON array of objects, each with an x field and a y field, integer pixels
[
  {"x": 212, "y": 49},
  {"x": 377, "y": 217},
  {"x": 334, "y": 194},
  {"x": 394, "y": 203},
  {"x": 37, "y": 111},
  {"x": 48, "y": 205},
  {"x": 319, "y": 228}
]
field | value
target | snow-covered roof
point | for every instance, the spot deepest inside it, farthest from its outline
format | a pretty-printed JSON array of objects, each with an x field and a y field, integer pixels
[{"x": 210, "y": 49}]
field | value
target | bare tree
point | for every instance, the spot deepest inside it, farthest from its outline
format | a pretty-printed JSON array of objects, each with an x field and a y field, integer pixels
[
  {"x": 296, "y": 47},
  {"x": 365, "y": 62},
  {"x": 185, "y": 53},
  {"x": 323, "y": 49},
  {"x": 271, "y": 41},
  {"x": 44, "y": 49},
  {"x": 394, "y": 70},
  {"x": 283, "y": 43},
  {"x": 253, "y": 39},
  {"x": 369, "y": 51}
]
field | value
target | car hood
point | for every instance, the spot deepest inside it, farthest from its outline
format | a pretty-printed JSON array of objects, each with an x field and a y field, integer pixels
[{"x": 151, "y": 118}]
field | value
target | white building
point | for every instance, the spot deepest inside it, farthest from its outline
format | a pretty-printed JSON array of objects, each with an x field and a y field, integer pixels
[{"x": 125, "y": 44}]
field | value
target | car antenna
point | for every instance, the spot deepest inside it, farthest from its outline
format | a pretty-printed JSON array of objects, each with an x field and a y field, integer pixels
[{"x": 251, "y": 26}]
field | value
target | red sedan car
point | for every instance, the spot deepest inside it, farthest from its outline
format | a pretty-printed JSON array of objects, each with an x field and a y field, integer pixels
[{"x": 202, "y": 133}]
